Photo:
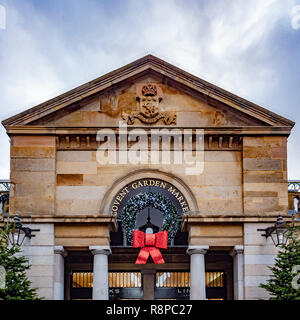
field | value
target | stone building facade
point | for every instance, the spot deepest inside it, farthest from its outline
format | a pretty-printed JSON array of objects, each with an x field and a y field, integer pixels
[{"x": 72, "y": 180}]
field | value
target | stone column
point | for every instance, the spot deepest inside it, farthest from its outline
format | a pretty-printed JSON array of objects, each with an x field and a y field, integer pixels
[
  {"x": 148, "y": 281},
  {"x": 100, "y": 280},
  {"x": 238, "y": 272},
  {"x": 197, "y": 269},
  {"x": 59, "y": 272}
]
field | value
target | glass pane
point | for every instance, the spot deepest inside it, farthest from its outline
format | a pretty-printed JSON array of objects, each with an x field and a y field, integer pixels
[
  {"x": 214, "y": 279},
  {"x": 82, "y": 280},
  {"x": 172, "y": 279},
  {"x": 125, "y": 279},
  {"x": 182, "y": 279}
]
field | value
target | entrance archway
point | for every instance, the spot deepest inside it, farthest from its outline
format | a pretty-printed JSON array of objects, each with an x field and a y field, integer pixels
[
  {"x": 138, "y": 196},
  {"x": 144, "y": 200},
  {"x": 118, "y": 185},
  {"x": 148, "y": 196}
]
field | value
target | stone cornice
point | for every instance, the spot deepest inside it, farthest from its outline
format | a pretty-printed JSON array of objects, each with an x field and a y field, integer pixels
[
  {"x": 42, "y": 130},
  {"x": 189, "y": 220},
  {"x": 70, "y": 219}
]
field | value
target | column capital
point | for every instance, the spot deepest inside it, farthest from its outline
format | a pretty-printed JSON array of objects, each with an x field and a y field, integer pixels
[
  {"x": 100, "y": 250},
  {"x": 238, "y": 249},
  {"x": 60, "y": 250},
  {"x": 197, "y": 249}
]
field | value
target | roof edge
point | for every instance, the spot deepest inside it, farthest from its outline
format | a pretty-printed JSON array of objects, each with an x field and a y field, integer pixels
[{"x": 108, "y": 78}]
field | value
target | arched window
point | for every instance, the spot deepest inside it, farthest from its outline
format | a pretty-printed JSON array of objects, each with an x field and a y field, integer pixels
[{"x": 151, "y": 201}]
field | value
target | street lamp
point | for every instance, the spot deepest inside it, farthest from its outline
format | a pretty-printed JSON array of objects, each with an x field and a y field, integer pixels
[
  {"x": 18, "y": 235},
  {"x": 278, "y": 232}
]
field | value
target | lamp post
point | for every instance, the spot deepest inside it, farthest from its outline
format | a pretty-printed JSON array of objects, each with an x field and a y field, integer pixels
[
  {"x": 278, "y": 232},
  {"x": 19, "y": 233}
]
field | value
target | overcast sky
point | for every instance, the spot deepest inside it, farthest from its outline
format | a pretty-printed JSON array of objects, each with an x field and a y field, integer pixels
[{"x": 251, "y": 48}]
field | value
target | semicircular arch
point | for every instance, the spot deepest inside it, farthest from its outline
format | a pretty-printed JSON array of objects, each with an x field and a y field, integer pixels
[{"x": 136, "y": 175}]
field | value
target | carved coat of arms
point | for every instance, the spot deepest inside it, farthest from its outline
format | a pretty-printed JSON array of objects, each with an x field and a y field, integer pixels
[{"x": 149, "y": 96}]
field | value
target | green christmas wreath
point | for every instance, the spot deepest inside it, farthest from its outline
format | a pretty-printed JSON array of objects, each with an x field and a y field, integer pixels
[{"x": 150, "y": 200}]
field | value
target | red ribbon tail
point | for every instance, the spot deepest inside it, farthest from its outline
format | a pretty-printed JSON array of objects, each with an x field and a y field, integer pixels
[
  {"x": 143, "y": 256},
  {"x": 156, "y": 255}
]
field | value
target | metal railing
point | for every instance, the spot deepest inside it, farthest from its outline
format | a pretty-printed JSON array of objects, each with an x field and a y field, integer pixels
[
  {"x": 4, "y": 193},
  {"x": 294, "y": 186},
  {"x": 4, "y": 185}
]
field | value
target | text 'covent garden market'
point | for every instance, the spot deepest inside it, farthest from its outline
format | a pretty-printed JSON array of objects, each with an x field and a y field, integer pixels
[{"x": 148, "y": 183}]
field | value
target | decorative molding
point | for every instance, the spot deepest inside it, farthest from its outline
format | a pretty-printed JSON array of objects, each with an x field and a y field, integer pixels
[
  {"x": 144, "y": 174},
  {"x": 111, "y": 220},
  {"x": 60, "y": 250},
  {"x": 149, "y": 96},
  {"x": 197, "y": 250},
  {"x": 215, "y": 142},
  {"x": 53, "y": 131},
  {"x": 100, "y": 250},
  {"x": 239, "y": 249}
]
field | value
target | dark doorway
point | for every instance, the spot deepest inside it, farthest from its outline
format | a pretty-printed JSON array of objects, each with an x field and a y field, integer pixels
[{"x": 169, "y": 281}]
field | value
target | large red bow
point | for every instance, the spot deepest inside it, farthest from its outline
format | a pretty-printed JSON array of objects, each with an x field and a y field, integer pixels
[{"x": 150, "y": 244}]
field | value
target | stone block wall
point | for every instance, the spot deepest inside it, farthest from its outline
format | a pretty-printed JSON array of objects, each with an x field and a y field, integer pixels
[
  {"x": 259, "y": 253},
  {"x": 72, "y": 182},
  {"x": 40, "y": 252},
  {"x": 215, "y": 234},
  {"x": 220, "y": 192},
  {"x": 33, "y": 175},
  {"x": 265, "y": 175},
  {"x": 82, "y": 182}
]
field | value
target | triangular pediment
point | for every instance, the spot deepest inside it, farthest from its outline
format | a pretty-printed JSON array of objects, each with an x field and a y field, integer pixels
[{"x": 179, "y": 99}]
